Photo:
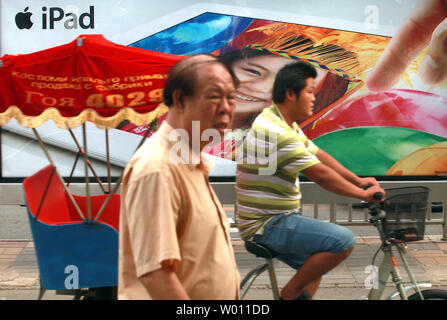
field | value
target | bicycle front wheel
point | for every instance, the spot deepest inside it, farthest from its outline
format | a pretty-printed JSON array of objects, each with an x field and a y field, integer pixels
[{"x": 430, "y": 294}]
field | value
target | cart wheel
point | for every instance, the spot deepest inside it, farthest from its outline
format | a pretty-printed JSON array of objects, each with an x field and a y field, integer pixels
[
  {"x": 431, "y": 294},
  {"x": 102, "y": 293}
]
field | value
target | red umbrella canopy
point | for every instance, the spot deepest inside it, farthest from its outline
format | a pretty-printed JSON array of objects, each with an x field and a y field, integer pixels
[{"x": 88, "y": 79}]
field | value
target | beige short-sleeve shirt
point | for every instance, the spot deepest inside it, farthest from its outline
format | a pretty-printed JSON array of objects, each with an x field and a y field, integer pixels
[{"x": 169, "y": 211}]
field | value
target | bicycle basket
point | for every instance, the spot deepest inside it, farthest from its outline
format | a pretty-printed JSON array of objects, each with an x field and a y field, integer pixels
[{"x": 406, "y": 210}]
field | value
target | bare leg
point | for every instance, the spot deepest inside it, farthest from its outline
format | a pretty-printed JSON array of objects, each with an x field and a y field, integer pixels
[
  {"x": 309, "y": 275},
  {"x": 312, "y": 287}
]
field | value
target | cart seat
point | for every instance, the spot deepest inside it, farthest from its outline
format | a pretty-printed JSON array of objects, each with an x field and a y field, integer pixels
[
  {"x": 63, "y": 242},
  {"x": 260, "y": 250}
]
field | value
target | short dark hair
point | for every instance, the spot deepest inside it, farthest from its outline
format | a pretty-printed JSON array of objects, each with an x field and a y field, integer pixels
[
  {"x": 292, "y": 76},
  {"x": 183, "y": 76}
]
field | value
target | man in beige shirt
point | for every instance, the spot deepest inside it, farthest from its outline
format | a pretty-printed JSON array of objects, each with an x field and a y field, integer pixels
[{"x": 174, "y": 234}]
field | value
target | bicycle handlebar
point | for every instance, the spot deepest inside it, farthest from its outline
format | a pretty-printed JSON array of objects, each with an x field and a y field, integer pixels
[{"x": 378, "y": 196}]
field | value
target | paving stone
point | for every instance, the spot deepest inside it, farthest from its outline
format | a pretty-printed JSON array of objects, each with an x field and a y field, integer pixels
[
  {"x": 8, "y": 275},
  {"x": 428, "y": 261},
  {"x": 428, "y": 246},
  {"x": 426, "y": 253},
  {"x": 441, "y": 260},
  {"x": 15, "y": 251},
  {"x": 12, "y": 244}
]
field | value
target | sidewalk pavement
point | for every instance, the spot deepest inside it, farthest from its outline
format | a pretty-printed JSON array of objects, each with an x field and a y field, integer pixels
[{"x": 427, "y": 258}]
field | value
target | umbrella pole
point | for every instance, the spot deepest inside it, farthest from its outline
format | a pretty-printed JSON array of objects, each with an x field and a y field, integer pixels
[
  {"x": 87, "y": 185},
  {"x": 70, "y": 196},
  {"x": 108, "y": 198},
  {"x": 118, "y": 183},
  {"x": 74, "y": 167},
  {"x": 87, "y": 161},
  {"x": 44, "y": 194},
  {"x": 109, "y": 174}
]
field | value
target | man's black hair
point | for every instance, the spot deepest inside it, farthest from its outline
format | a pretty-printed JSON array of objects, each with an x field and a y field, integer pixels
[{"x": 292, "y": 76}]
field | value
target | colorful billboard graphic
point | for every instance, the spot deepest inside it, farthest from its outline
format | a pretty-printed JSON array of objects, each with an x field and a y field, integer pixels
[{"x": 382, "y": 130}]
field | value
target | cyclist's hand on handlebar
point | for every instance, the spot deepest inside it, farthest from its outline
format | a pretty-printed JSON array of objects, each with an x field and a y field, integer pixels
[
  {"x": 372, "y": 194},
  {"x": 367, "y": 182}
]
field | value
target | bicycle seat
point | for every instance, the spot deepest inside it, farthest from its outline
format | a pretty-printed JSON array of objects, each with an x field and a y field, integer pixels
[{"x": 259, "y": 250}]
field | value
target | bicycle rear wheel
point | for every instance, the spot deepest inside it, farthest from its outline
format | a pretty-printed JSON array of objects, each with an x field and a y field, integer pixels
[{"x": 430, "y": 294}]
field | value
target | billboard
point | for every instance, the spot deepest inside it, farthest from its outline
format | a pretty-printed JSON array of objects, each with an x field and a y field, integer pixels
[{"x": 400, "y": 132}]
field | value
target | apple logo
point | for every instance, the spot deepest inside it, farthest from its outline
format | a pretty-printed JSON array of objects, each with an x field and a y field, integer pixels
[{"x": 23, "y": 19}]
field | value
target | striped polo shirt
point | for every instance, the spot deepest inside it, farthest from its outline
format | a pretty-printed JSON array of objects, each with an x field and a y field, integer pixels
[{"x": 268, "y": 165}]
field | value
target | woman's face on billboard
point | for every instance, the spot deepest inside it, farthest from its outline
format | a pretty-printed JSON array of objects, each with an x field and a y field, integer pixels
[{"x": 256, "y": 75}]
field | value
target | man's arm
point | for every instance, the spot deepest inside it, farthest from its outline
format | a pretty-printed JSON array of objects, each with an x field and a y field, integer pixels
[
  {"x": 331, "y": 180},
  {"x": 329, "y": 161},
  {"x": 163, "y": 284}
]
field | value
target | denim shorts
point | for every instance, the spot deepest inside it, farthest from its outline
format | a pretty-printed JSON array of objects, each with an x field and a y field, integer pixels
[{"x": 296, "y": 238}]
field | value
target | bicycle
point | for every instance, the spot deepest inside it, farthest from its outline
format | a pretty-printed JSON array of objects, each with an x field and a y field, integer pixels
[{"x": 399, "y": 219}]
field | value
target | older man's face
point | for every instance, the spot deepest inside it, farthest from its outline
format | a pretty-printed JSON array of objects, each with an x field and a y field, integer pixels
[{"x": 213, "y": 103}]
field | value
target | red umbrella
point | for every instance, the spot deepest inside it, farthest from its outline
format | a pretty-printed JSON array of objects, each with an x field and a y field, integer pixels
[{"x": 88, "y": 79}]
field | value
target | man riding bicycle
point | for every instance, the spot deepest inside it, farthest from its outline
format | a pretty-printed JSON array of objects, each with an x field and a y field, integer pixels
[{"x": 268, "y": 201}]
